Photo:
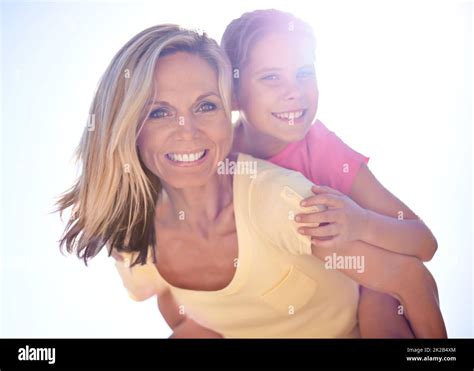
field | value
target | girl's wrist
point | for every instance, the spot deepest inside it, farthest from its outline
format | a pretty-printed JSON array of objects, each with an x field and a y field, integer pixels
[{"x": 366, "y": 225}]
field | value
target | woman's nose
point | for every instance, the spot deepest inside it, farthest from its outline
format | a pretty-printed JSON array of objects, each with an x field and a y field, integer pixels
[{"x": 186, "y": 128}]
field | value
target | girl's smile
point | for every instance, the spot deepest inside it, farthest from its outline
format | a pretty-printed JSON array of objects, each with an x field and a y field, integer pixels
[{"x": 291, "y": 117}]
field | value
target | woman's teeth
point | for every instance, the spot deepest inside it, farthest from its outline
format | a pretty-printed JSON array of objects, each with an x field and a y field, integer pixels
[
  {"x": 293, "y": 115},
  {"x": 187, "y": 157}
]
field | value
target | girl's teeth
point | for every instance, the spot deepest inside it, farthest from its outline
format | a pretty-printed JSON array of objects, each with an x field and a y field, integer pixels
[
  {"x": 187, "y": 157},
  {"x": 290, "y": 115}
]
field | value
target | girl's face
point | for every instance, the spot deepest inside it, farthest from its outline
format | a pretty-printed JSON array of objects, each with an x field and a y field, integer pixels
[
  {"x": 278, "y": 93},
  {"x": 187, "y": 132}
]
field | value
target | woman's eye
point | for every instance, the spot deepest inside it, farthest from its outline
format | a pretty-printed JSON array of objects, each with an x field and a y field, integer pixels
[
  {"x": 159, "y": 114},
  {"x": 270, "y": 77},
  {"x": 206, "y": 107}
]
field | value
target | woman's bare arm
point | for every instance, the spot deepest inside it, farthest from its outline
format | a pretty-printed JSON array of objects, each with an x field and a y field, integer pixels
[{"x": 180, "y": 323}]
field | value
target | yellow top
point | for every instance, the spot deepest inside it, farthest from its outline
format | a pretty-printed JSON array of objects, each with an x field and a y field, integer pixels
[{"x": 279, "y": 290}]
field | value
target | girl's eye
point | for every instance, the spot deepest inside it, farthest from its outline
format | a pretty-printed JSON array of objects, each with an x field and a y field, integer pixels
[
  {"x": 305, "y": 73},
  {"x": 270, "y": 77},
  {"x": 207, "y": 107},
  {"x": 159, "y": 113}
]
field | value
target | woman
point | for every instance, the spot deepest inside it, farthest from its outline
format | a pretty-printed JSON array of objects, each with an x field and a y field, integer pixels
[{"x": 223, "y": 243}]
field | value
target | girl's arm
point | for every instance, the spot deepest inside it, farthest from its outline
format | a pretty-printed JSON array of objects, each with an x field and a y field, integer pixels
[
  {"x": 401, "y": 276},
  {"x": 404, "y": 277},
  {"x": 390, "y": 223},
  {"x": 371, "y": 214}
]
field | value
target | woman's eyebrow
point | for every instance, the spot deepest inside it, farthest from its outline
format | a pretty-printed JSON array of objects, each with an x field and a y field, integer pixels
[
  {"x": 156, "y": 102},
  {"x": 165, "y": 103},
  {"x": 205, "y": 95}
]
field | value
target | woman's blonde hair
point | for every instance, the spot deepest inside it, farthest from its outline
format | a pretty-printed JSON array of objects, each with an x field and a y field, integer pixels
[{"x": 114, "y": 197}]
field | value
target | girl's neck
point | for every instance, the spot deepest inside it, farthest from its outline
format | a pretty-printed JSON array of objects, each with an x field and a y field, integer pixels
[{"x": 255, "y": 143}]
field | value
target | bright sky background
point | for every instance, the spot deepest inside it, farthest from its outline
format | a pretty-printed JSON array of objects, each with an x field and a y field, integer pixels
[{"x": 395, "y": 83}]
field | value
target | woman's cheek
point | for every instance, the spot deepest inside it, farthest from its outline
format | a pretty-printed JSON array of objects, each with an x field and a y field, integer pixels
[
  {"x": 226, "y": 132},
  {"x": 142, "y": 151},
  {"x": 222, "y": 134},
  {"x": 145, "y": 133},
  {"x": 147, "y": 148}
]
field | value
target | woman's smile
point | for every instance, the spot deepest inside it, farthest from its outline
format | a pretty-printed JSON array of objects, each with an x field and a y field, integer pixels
[{"x": 186, "y": 159}]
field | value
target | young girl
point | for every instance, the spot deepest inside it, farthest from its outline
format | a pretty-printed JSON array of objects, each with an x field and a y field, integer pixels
[{"x": 276, "y": 94}]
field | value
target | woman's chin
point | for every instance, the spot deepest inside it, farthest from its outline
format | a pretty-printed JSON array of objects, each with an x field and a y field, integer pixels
[{"x": 187, "y": 181}]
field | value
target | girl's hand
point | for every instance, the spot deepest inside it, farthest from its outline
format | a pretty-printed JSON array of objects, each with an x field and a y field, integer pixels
[{"x": 343, "y": 221}]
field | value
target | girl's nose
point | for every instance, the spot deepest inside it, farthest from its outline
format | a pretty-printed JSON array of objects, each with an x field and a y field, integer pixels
[{"x": 292, "y": 91}]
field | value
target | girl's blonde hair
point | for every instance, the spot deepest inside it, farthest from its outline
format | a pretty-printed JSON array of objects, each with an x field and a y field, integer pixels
[
  {"x": 241, "y": 34},
  {"x": 114, "y": 197}
]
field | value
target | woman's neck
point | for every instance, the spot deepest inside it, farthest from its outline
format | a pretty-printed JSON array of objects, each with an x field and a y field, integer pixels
[
  {"x": 198, "y": 206},
  {"x": 255, "y": 143}
]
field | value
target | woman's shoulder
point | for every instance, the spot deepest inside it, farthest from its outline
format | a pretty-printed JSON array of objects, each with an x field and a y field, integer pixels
[
  {"x": 266, "y": 182},
  {"x": 260, "y": 166},
  {"x": 272, "y": 199},
  {"x": 142, "y": 281}
]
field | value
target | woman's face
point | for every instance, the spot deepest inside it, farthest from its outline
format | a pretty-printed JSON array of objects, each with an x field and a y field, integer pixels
[
  {"x": 278, "y": 93},
  {"x": 187, "y": 132}
]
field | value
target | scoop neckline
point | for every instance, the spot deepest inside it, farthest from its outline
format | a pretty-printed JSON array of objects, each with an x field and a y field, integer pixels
[{"x": 241, "y": 252}]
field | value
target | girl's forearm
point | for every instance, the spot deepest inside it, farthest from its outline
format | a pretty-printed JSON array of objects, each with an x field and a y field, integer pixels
[
  {"x": 381, "y": 270},
  {"x": 404, "y": 236}
]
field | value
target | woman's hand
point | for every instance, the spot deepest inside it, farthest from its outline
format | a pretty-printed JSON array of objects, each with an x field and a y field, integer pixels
[{"x": 343, "y": 221}]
